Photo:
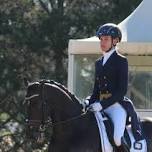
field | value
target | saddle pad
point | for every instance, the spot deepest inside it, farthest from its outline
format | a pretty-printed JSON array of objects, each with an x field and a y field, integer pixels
[
  {"x": 105, "y": 144},
  {"x": 140, "y": 146}
]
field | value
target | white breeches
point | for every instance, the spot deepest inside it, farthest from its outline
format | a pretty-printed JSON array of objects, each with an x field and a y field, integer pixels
[{"x": 118, "y": 116}]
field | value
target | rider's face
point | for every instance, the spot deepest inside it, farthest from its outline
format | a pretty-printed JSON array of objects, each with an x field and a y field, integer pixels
[{"x": 105, "y": 43}]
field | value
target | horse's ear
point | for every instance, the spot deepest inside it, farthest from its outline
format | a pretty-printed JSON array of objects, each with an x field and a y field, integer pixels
[{"x": 26, "y": 82}]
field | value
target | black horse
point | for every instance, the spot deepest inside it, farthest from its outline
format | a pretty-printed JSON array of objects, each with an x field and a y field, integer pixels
[{"x": 73, "y": 130}]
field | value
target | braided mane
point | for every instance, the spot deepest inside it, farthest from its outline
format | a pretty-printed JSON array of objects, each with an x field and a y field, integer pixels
[{"x": 73, "y": 97}]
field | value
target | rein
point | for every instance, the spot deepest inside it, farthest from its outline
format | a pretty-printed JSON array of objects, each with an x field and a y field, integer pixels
[
  {"x": 68, "y": 120},
  {"x": 44, "y": 106},
  {"x": 50, "y": 123}
]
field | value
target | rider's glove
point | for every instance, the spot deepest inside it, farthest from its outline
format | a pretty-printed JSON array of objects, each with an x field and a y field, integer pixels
[
  {"x": 85, "y": 104},
  {"x": 95, "y": 106}
]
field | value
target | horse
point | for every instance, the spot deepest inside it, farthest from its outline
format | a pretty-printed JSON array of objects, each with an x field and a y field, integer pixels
[{"x": 72, "y": 129}]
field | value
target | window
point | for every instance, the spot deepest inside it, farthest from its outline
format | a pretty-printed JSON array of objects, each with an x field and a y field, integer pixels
[
  {"x": 140, "y": 86},
  {"x": 140, "y": 82}
]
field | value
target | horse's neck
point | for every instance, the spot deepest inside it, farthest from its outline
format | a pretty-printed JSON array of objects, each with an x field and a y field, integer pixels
[
  {"x": 69, "y": 109},
  {"x": 64, "y": 117},
  {"x": 64, "y": 107}
]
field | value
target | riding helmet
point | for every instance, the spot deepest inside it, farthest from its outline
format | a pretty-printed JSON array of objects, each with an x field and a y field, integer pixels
[{"x": 109, "y": 29}]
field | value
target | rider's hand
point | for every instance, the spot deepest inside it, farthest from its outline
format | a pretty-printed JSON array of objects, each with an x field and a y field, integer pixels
[
  {"x": 95, "y": 107},
  {"x": 85, "y": 104}
]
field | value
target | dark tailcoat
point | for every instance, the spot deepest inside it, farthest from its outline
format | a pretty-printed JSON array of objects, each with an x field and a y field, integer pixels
[{"x": 112, "y": 78}]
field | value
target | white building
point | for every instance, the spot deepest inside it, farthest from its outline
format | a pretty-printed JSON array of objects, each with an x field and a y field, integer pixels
[{"x": 136, "y": 45}]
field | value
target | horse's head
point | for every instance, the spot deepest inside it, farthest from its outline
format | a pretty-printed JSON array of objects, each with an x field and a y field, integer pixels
[
  {"x": 49, "y": 101},
  {"x": 37, "y": 111}
]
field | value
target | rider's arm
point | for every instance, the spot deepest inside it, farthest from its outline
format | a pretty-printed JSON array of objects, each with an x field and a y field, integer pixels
[{"x": 95, "y": 94}]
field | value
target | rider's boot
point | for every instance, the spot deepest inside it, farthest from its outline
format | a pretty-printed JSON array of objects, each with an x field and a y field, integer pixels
[{"x": 124, "y": 146}]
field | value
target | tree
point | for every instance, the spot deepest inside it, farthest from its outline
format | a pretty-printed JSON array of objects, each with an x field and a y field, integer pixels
[{"x": 34, "y": 37}]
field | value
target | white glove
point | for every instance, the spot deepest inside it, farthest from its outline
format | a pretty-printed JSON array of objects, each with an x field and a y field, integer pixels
[
  {"x": 85, "y": 104},
  {"x": 95, "y": 107}
]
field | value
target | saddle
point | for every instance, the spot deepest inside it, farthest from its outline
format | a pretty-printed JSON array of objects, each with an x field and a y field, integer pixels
[{"x": 106, "y": 131}]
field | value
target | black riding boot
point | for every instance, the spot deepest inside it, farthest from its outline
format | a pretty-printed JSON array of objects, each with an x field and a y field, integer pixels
[{"x": 124, "y": 146}]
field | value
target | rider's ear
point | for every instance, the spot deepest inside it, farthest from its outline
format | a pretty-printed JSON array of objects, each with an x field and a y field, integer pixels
[
  {"x": 26, "y": 82},
  {"x": 115, "y": 41}
]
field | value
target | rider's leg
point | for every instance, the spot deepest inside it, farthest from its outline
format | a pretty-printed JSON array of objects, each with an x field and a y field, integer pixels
[{"x": 118, "y": 115}]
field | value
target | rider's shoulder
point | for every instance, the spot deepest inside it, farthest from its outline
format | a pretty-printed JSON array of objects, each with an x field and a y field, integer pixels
[{"x": 119, "y": 55}]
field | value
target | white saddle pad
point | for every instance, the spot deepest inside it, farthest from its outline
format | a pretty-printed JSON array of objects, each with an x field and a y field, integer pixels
[{"x": 106, "y": 145}]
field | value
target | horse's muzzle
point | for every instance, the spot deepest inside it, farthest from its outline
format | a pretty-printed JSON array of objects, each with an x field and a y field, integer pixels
[
  {"x": 33, "y": 132},
  {"x": 35, "y": 135}
]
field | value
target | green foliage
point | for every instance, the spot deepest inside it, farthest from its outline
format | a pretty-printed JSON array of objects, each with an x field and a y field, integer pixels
[{"x": 34, "y": 37}]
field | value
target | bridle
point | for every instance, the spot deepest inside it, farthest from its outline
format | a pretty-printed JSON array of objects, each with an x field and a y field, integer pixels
[{"x": 44, "y": 108}]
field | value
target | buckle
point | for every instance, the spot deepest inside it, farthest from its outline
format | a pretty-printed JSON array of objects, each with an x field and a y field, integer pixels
[{"x": 138, "y": 145}]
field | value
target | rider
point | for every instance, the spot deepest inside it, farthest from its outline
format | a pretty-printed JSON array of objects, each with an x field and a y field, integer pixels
[{"x": 111, "y": 82}]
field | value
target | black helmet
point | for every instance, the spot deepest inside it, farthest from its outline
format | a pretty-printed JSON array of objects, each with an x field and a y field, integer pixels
[{"x": 109, "y": 29}]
